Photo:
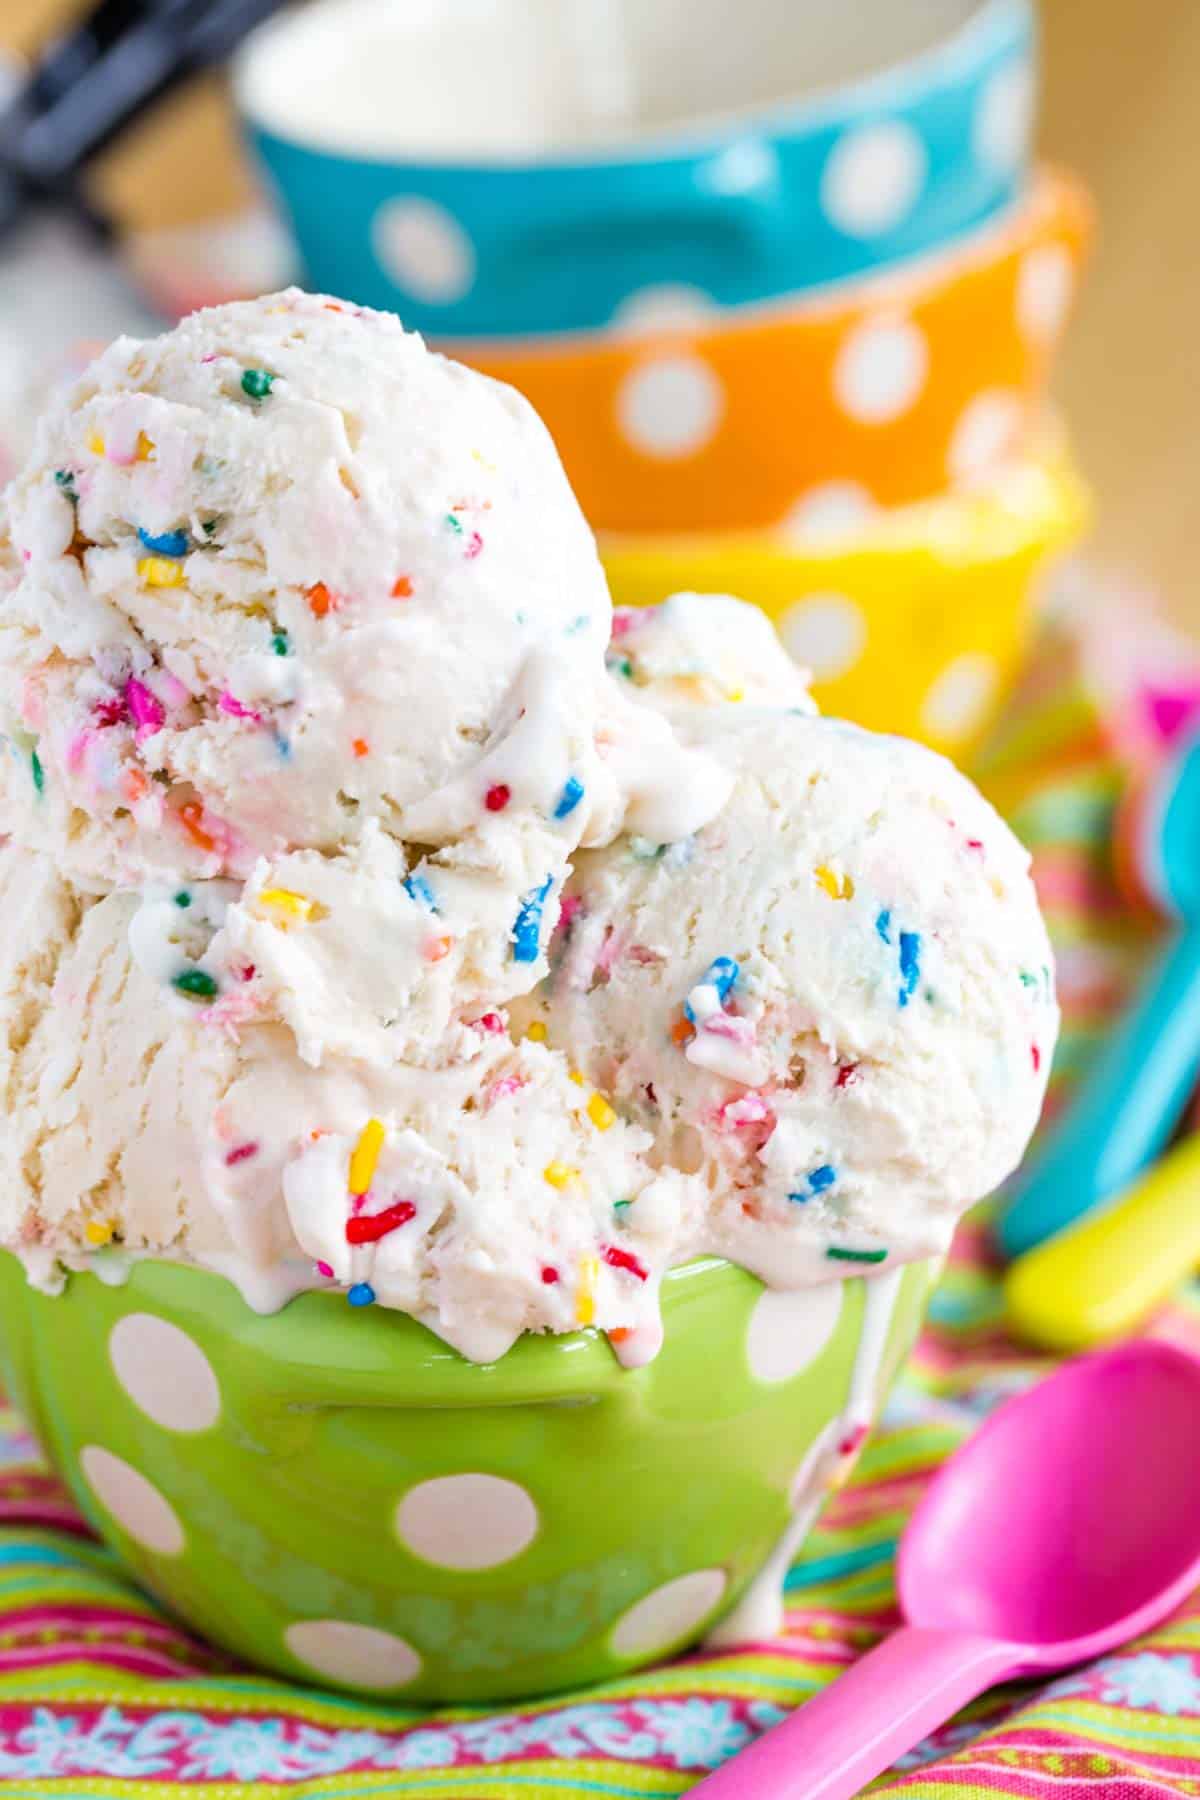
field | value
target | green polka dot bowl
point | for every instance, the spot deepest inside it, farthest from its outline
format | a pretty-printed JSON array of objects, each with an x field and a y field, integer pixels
[{"x": 335, "y": 1495}]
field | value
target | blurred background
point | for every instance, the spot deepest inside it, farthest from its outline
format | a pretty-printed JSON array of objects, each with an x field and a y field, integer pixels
[{"x": 1119, "y": 106}]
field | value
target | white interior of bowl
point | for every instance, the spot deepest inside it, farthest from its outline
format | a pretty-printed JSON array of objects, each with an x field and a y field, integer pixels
[{"x": 459, "y": 80}]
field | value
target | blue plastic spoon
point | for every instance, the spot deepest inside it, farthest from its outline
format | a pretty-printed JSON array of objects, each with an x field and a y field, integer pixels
[{"x": 1132, "y": 1101}]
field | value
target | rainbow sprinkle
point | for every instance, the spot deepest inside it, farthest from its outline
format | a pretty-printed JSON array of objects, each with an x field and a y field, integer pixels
[
  {"x": 818, "y": 1180},
  {"x": 559, "y": 1174},
  {"x": 418, "y": 889},
  {"x": 721, "y": 975},
  {"x": 256, "y": 385},
  {"x": 361, "y": 1294},
  {"x": 368, "y": 1228},
  {"x": 37, "y": 772},
  {"x": 537, "y": 1032},
  {"x": 836, "y": 883},
  {"x": 287, "y": 906},
  {"x": 197, "y": 984},
  {"x": 883, "y": 925},
  {"x": 585, "y": 1292},
  {"x": 98, "y": 1232},
  {"x": 569, "y": 799},
  {"x": 910, "y": 965},
  {"x": 160, "y": 572},
  {"x": 527, "y": 926},
  {"x": 165, "y": 543},
  {"x": 601, "y": 1113},
  {"x": 836, "y": 1254},
  {"x": 365, "y": 1157}
]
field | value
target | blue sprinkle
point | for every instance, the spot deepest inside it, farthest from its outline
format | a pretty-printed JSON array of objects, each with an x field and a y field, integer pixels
[
  {"x": 721, "y": 974},
  {"x": 527, "y": 927},
  {"x": 883, "y": 925},
  {"x": 570, "y": 797},
  {"x": 361, "y": 1294},
  {"x": 910, "y": 964},
  {"x": 165, "y": 543},
  {"x": 818, "y": 1180},
  {"x": 578, "y": 624},
  {"x": 418, "y": 889},
  {"x": 283, "y": 747}
]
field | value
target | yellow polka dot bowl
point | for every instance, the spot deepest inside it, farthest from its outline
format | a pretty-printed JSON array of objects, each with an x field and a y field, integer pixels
[
  {"x": 907, "y": 384},
  {"x": 339, "y": 1497},
  {"x": 912, "y": 620}
]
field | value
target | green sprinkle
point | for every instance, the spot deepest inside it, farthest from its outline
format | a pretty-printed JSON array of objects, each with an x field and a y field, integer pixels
[
  {"x": 66, "y": 481},
  {"x": 454, "y": 524},
  {"x": 1028, "y": 980},
  {"x": 644, "y": 849},
  {"x": 620, "y": 1206},
  {"x": 39, "y": 774},
  {"x": 279, "y": 643},
  {"x": 196, "y": 984},
  {"x": 256, "y": 383},
  {"x": 183, "y": 898},
  {"x": 209, "y": 526},
  {"x": 624, "y": 667},
  {"x": 835, "y": 1254}
]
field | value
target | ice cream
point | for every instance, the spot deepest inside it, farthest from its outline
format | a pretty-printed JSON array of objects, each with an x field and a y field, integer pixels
[
  {"x": 308, "y": 728},
  {"x": 833, "y": 1005}
]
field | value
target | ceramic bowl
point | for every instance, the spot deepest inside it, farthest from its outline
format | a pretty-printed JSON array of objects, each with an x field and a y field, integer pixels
[
  {"x": 905, "y": 386},
  {"x": 539, "y": 168},
  {"x": 914, "y": 620},
  {"x": 339, "y": 1497}
]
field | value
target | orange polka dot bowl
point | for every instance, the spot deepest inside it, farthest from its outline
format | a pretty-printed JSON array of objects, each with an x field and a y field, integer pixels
[
  {"x": 341, "y": 1498},
  {"x": 905, "y": 385},
  {"x": 912, "y": 620}
]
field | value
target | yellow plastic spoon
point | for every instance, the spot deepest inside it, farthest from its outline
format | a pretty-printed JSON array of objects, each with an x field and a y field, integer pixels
[{"x": 1099, "y": 1279}]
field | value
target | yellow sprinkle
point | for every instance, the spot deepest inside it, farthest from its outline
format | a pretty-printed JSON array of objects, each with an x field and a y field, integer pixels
[
  {"x": 365, "y": 1157},
  {"x": 160, "y": 571},
  {"x": 836, "y": 884},
  {"x": 585, "y": 1293},
  {"x": 600, "y": 1112},
  {"x": 577, "y": 1078},
  {"x": 560, "y": 1174},
  {"x": 736, "y": 694},
  {"x": 98, "y": 1232},
  {"x": 96, "y": 444},
  {"x": 145, "y": 448},
  {"x": 292, "y": 906},
  {"x": 537, "y": 1031}
]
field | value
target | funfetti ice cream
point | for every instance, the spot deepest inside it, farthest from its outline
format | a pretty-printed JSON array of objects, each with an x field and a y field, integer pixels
[
  {"x": 833, "y": 1004},
  {"x": 311, "y": 754}
]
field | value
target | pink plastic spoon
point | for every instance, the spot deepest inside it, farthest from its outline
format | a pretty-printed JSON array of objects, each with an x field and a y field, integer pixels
[{"x": 1067, "y": 1525}]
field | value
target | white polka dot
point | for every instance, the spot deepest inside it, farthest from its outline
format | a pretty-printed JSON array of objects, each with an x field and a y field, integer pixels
[
  {"x": 669, "y": 1615},
  {"x": 358, "y": 1655},
  {"x": 880, "y": 370},
  {"x": 666, "y": 305},
  {"x": 164, "y": 1372},
  {"x": 135, "y": 1503},
  {"x": 671, "y": 406},
  {"x": 740, "y": 169},
  {"x": 987, "y": 430},
  {"x": 1003, "y": 122},
  {"x": 467, "y": 1521},
  {"x": 825, "y": 633},
  {"x": 789, "y": 1328},
  {"x": 960, "y": 696},
  {"x": 831, "y": 509},
  {"x": 1045, "y": 283},
  {"x": 424, "y": 250},
  {"x": 872, "y": 178}
]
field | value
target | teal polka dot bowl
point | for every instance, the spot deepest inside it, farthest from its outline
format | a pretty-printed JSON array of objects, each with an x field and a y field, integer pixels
[
  {"x": 491, "y": 171},
  {"x": 339, "y": 1497}
]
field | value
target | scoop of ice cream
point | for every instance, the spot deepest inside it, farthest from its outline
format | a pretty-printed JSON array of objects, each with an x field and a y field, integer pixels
[
  {"x": 697, "y": 651},
  {"x": 487, "y": 1198},
  {"x": 834, "y": 1003},
  {"x": 277, "y": 573}
]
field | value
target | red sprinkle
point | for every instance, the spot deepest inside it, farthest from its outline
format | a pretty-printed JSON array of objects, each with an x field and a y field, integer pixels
[
  {"x": 368, "y": 1228},
  {"x": 108, "y": 712},
  {"x": 1037, "y": 1057},
  {"x": 326, "y": 1269},
  {"x": 616, "y": 1258},
  {"x": 474, "y": 546},
  {"x": 490, "y": 1022},
  {"x": 845, "y": 1075},
  {"x": 498, "y": 797},
  {"x": 361, "y": 747},
  {"x": 549, "y": 1275},
  {"x": 852, "y": 1441},
  {"x": 241, "y": 1154},
  {"x": 975, "y": 844},
  {"x": 402, "y": 588},
  {"x": 247, "y": 972}
]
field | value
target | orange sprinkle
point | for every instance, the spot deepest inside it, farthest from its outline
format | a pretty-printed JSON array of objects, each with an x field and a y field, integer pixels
[
  {"x": 191, "y": 815},
  {"x": 619, "y": 1333},
  {"x": 361, "y": 747},
  {"x": 320, "y": 601},
  {"x": 436, "y": 948},
  {"x": 682, "y": 1032},
  {"x": 135, "y": 784},
  {"x": 402, "y": 588}
]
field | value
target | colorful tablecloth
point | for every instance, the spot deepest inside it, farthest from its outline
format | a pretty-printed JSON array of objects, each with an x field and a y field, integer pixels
[{"x": 101, "y": 1694}]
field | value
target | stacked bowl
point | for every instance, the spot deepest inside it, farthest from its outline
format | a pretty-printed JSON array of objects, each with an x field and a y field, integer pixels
[{"x": 781, "y": 278}]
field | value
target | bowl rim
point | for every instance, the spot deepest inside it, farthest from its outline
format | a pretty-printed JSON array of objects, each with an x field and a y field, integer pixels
[{"x": 988, "y": 24}]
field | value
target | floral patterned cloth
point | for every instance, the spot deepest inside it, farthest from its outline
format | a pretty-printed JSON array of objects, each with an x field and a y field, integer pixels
[{"x": 101, "y": 1694}]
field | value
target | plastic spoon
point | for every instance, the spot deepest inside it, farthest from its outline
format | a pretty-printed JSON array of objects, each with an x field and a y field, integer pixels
[
  {"x": 1101, "y": 1278},
  {"x": 1133, "y": 1100},
  {"x": 1068, "y": 1524}
]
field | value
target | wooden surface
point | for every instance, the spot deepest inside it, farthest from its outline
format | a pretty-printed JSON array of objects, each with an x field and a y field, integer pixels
[{"x": 1122, "y": 105}]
